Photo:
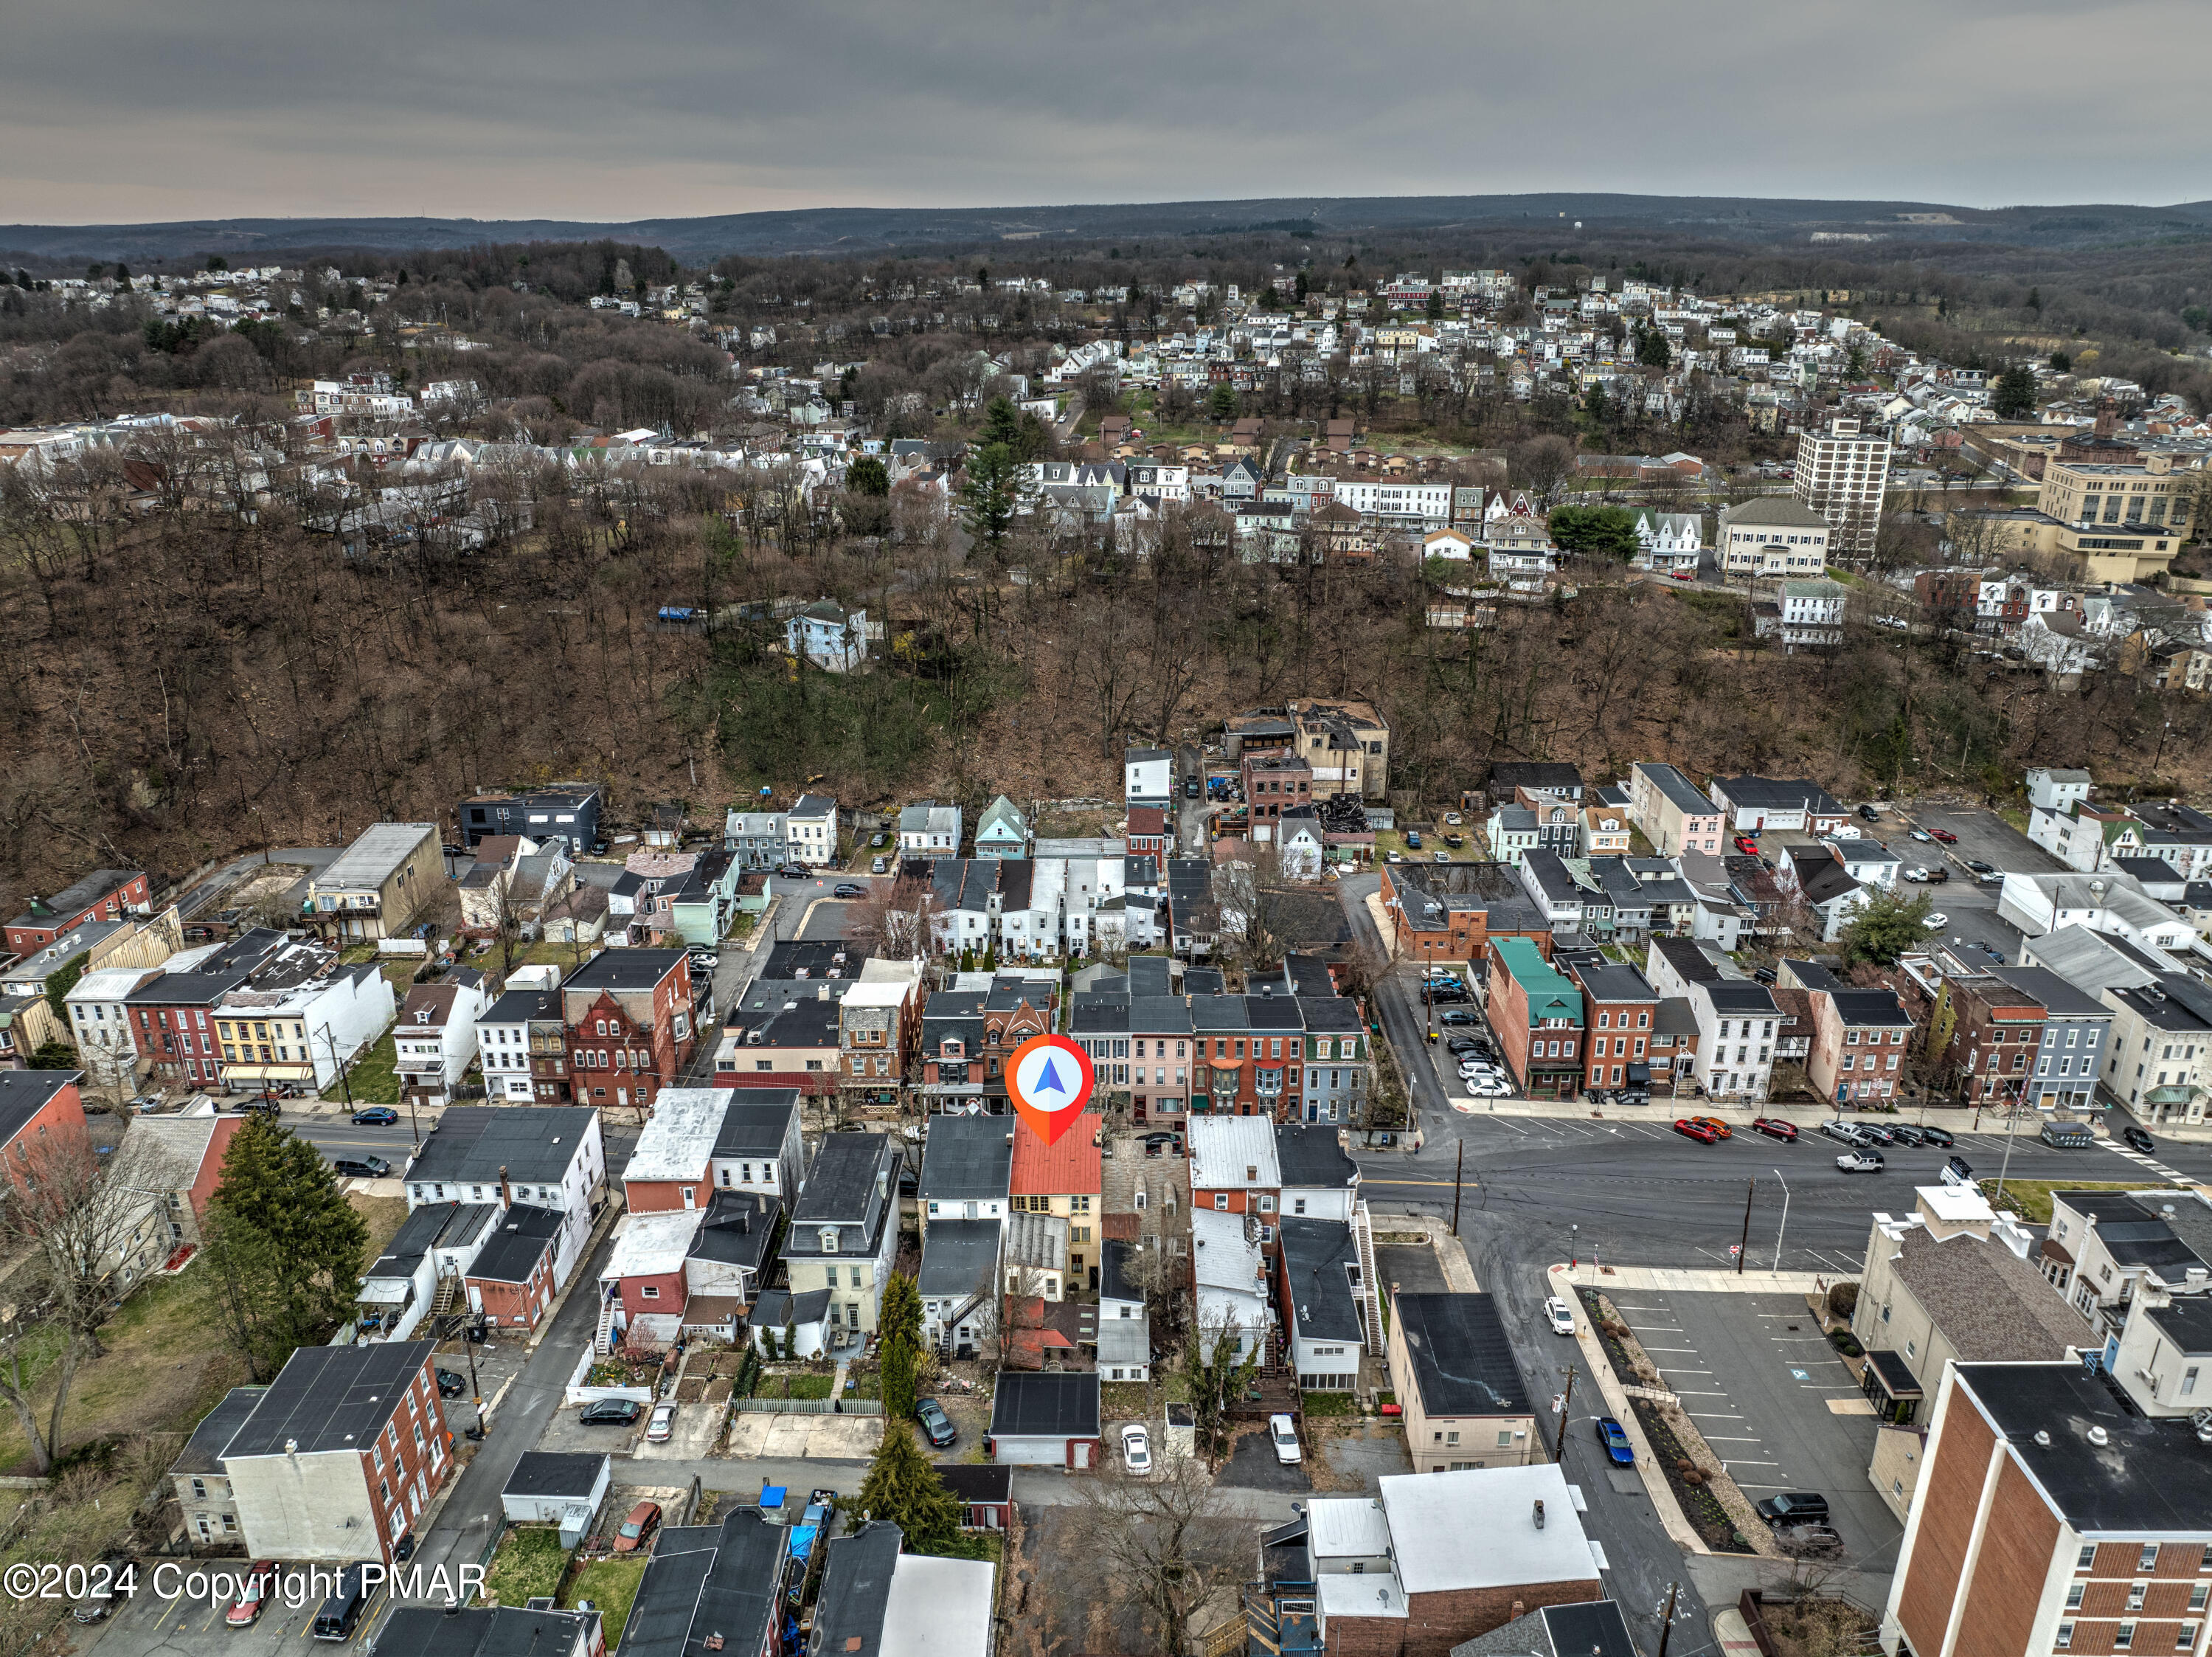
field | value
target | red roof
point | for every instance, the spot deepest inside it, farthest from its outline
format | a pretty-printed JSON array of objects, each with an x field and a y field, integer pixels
[{"x": 1070, "y": 1166}]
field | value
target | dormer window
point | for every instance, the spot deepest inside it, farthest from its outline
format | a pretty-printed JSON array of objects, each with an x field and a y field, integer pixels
[{"x": 828, "y": 1240}]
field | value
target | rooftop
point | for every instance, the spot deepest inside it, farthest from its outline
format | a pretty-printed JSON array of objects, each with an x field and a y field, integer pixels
[
  {"x": 2138, "y": 1476},
  {"x": 1462, "y": 1359},
  {"x": 1230, "y": 1153},
  {"x": 549, "y": 1473},
  {"x": 842, "y": 1184},
  {"x": 625, "y": 969},
  {"x": 968, "y": 1157},
  {"x": 1990, "y": 1304},
  {"x": 959, "y": 1258},
  {"x": 1070, "y": 1164},
  {"x": 370, "y": 860},
  {"x": 1475, "y": 1529},
  {"x": 472, "y": 1144},
  {"x": 1309, "y": 1156},
  {"x": 1045, "y": 1405},
  {"x": 330, "y": 1398}
]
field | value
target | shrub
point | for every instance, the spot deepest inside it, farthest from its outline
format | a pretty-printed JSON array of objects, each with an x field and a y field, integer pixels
[{"x": 1843, "y": 1298}]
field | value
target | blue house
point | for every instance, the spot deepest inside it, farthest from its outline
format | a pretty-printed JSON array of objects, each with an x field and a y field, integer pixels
[{"x": 1002, "y": 831}]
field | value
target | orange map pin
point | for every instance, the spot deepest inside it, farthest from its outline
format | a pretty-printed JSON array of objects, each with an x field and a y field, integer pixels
[{"x": 1048, "y": 1080}]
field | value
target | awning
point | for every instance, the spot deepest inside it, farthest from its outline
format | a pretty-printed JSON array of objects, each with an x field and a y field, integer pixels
[
  {"x": 1889, "y": 1370},
  {"x": 1639, "y": 1071}
]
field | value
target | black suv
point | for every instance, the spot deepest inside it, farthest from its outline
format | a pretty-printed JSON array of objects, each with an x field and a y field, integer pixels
[
  {"x": 451, "y": 1383},
  {"x": 621, "y": 1412},
  {"x": 360, "y": 1167},
  {"x": 1793, "y": 1508}
]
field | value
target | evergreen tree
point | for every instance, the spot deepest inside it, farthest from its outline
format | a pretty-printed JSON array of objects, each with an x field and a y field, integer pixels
[
  {"x": 122, "y": 275},
  {"x": 284, "y": 1247},
  {"x": 903, "y": 1487},
  {"x": 899, "y": 1332},
  {"x": 1221, "y": 403},
  {"x": 868, "y": 476},
  {"x": 2013, "y": 397},
  {"x": 1594, "y": 401},
  {"x": 2061, "y": 364},
  {"x": 1652, "y": 349},
  {"x": 1884, "y": 926},
  {"x": 1002, "y": 423},
  {"x": 1216, "y": 1374}
]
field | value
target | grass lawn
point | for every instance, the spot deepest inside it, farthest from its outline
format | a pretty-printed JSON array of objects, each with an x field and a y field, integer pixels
[
  {"x": 375, "y": 1077},
  {"x": 612, "y": 1585},
  {"x": 384, "y": 1216},
  {"x": 803, "y": 1386},
  {"x": 531, "y": 1561},
  {"x": 1330, "y": 1403},
  {"x": 2031, "y": 1198},
  {"x": 2018, "y": 818},
  {"x": 166, "y": 1365}
]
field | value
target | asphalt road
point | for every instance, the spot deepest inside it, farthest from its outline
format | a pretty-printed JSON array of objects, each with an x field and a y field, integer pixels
[{"x": 1628, "y": 1190}]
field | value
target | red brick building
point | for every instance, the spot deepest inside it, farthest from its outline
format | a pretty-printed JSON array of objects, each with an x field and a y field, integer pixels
[
  {"x": 102, "y": 895},
  {"x": 41, "y": 1116},
  {"x": 1619, "y": 1009},
  {"x": 2050, "y": 1516},
  {"x": 1273, "y": 784},
  {"x": 1536, "y": 1013},
  {"x": 1149, "y": 831},
  {"x": 512, "y": 1279},
  {"x": 1452, "y": 911},
  {"x": 630, "y": 1026}
]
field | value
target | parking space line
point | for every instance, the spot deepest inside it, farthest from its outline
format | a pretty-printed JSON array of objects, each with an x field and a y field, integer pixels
[
  {"x": 1686, "y": 1392},
  {"x": 1710, "y": 1414},
  {"x": 1670, "y": 1369},
  {"x": 1741, "y": 1485},
  {"x": 1722, "y": 1438},
  {"x": 1649, "y": 1347},
  {"x": 1742, "y": 1461}
]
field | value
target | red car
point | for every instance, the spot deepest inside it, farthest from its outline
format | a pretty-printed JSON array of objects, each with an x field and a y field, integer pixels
[
  {"x": 637, "y": 1530},
  {"x": 259, "y": 1588},
  {"x": 1945, "y": 835},
  {"x": 1746, "y": 845},
  {"x": 1774, "y": 1127},
  {"x": 1697, "y": 1131}
]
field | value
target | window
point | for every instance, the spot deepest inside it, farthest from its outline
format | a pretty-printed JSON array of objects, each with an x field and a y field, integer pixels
[
  {"x": 2135, "y": 1592},
  {"x": 2149, "y": 1560},
  {"x": 2074, "y": 1595},
  {"x": 2065, "y": 1636},
  {"x": 2186, "y": 1639},
  {"x": 2196, "y": 1596},
  {"x": 1504, "y": 1437},
  {"x": 2125, "y": 1639}
]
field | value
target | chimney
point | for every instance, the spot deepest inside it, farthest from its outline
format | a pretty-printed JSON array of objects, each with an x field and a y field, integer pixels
[
  {"x": 1539, "y": 1514},
  {"x": 1517, "y": 1610},
  {"x": 2108, "y": 416},
  {"x": 506, "y": 1195}
]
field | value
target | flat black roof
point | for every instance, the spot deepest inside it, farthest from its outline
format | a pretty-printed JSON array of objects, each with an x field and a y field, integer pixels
[
  {"x": 978, "y": 1481},
  {"x": 524, "y": 1236},
  {"x": 547, "y": 1473},
  {"x": 1462, "y": 1359},
  {"x": 1056, "y": 1405},
  {"x": 756, "y": 1122},
  {"x": 737, "y": 1228},
  {"x": 202, "y": 1451},
  {"x": 625, "y": 969},
  {"x": 1590, "y": 1628},
  {"x": 959, "y": 1258},
  {"x": 330, "y": 1398},
  {"x": 1309, "y": 1156},
  {"x": 481, "y": 1630},
  {"x": 1316, "y": 1253},
  {"x": 842, "y": 1185},
  {"x": 2147, "y": 1477},
  {"x": 472, "y": 1142},
  {"x": 856, "y": 1591},
  {"x": 968, "y": 1157}
]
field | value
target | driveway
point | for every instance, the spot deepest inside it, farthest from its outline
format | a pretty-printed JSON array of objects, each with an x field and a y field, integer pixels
[
  {"x": 804, "y": 1438},
  {"x": 1776, "y": 1404},
  {"x": 697, "y": 1426},
  {"x": 1252, "y": 1467}
]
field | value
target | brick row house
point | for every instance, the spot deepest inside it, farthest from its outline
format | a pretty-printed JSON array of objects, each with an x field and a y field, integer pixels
[
  {"x": 105, "y": 894},
  {"x": 629, "y": 1017}
]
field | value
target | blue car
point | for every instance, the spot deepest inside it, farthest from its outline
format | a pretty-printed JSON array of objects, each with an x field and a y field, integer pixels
[
  {"x": 376, "y": 1116},
  {"x": 1615, "y": 1441}
]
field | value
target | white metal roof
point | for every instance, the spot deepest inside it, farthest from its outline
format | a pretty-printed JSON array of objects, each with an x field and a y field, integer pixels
[
  {"x": 677, "y": 1143},
  {"x": 1223, "y": 1147},
  {"x": 369, "y": 861},
  {"x": 651, "y": 1245},
  {"x": 1348, "y": 1527},
  {"x": 1477, "y": 1529},
  {"x": 939, "y": 1608}
]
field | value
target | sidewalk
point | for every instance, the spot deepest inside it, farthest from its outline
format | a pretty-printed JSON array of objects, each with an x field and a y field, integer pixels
[
  {"x": 1686, "y": 1279},
  {"x": 1805, "y": 1113}
]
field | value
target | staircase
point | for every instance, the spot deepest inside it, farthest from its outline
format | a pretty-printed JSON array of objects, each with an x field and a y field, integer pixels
[
  {"x": 603, "y": 1343},
  {"x": 948, "y": 1331},
  {"x": 448, "y": 1296},
  {"x": 1370, "y": 1289}
]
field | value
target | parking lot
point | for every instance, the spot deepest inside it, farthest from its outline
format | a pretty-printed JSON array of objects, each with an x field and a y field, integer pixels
[
  {"x": 1778, "y": 1407},
  {"x": 191, "y": 1623}
]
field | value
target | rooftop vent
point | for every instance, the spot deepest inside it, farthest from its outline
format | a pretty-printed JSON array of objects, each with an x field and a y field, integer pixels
[
  {"x": 1540, "y": 1515},
  {"x": 2042, "y": 1437},
  {"x": 2099, "y": 1437}
]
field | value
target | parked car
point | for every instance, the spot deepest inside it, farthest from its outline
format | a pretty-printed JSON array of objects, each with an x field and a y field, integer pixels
[
  {"x": 877, "y": 842},
  {"x": 260, "y": 1587},
  {"x": 1283, "y": 1434},
  {"x": 1903, "y": 1133},
  {"x": 1454, "y": 839},
  {"x": 1793, "y": 1507},
  {"x": 935, "y": 1423},
  {"x": 849, "y": 889},
  {"x": 451, "y": 1383},
  {"x": 661, "y": 1427},
  {"x": 1934, "y": 1136},
  {"x": 879, "y": 867},
  {"x": 1809, "y": 1541},
  {"x": 1413, "y": 839},
  {"x": 1765, "y": 975},
  {"x": 1618, "y": 1449},
  {"x": 375, "y": 1116},
  {"x": 1720, "y": 1128},
  {"x": 1845, "y": 1133},
  {"x": 611, "y": 1412},
  {"x": 1697, "y": 1131},
  {"x": 1923, "y": 837},
  {"x": 1746, "y": 845},
  {"x": 1440, "y": 856},
  {"x": 1774, "y": 1128},
  {"x": 2137, "y": 1137},
  {"x": 1945, "y": 835},
  {"x": 1955, "y": 1172},
  {"x": 1453, "y": 818},
  {"x": 1136, "y": 1450},
  {"x": 1936, "y": 921},
  {"x": 1467, "y": 1045},
  {"x": 793, "y": 871},
  {"x": 1559, "y": 1315},
  {"x": 360, "y": 1167},
  {"x": 637, "y": 1528},
  {"x": 1870, "y": 814},
  {"x": 1860, "y": 1162},
  {"x": 1394, "y": 857},
  {"x": 1876, "y": 1133},
  {"x": 1981, "y": 868},
  {"x": 1459, "y": 1015},
  {"x": 1917, "y": 875}
]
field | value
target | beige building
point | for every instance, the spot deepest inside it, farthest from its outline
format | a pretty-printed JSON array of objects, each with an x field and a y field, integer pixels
[
  {"x": 1842, "y": 475},
  {"x": 2151, "y": 498},
  {"x": 1775, "y": 536},
  {"x": 380, "y": 883},
  {"x": 1452, "y": 1369}
]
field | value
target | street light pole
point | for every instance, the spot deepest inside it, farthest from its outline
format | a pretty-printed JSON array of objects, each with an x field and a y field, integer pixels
[
  {"x": 1750, "y": 1189},
  {"x": 1782, "y": 1230},
  {"x": 1566, "y": 1406}
]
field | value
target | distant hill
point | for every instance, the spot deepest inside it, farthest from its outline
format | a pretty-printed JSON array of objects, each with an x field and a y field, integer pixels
[{"x": 861, "y": 230}]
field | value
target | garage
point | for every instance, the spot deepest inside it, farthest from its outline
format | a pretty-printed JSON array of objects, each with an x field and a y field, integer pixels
[{"x": 1045, "y": 1421}]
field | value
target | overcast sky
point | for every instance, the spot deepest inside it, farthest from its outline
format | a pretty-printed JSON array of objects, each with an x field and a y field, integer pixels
[{"x": 122, "y": 110}]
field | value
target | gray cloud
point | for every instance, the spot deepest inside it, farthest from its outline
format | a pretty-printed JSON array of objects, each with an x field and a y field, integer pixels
[{"x": 112, "y": 110}]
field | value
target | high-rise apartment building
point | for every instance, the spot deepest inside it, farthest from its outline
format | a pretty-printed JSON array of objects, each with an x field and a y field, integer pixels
[{"x": 1842, "y": 474}]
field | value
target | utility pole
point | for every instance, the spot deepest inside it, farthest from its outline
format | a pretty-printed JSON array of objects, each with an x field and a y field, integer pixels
[
  {"x": 1744, "y": 1247},
  {"x": 1667, "y": 1622},
  {"x": 1566, "y": 1404},
  {"x": 1459, "y": 1168}
]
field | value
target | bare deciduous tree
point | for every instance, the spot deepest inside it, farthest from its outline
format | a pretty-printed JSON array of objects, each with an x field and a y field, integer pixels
[{"x": 1168, "y": 1542}]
